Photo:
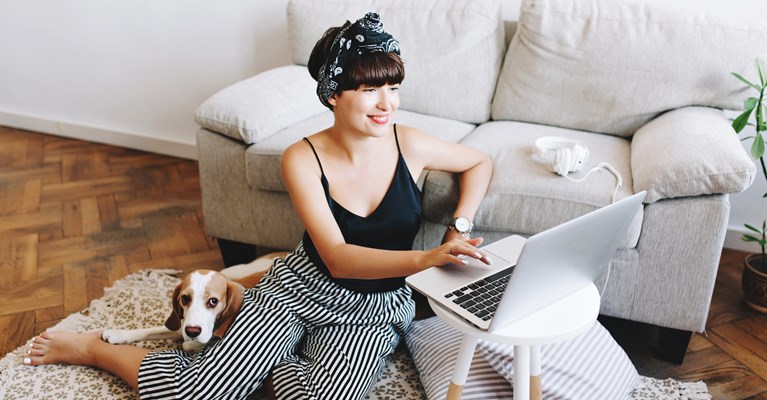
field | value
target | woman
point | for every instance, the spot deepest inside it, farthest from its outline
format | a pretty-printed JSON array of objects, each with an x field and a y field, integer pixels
[{"x": 323, "y": 319}]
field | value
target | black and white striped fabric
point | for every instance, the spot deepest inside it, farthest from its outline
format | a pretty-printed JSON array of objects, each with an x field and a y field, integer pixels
[
  {"x": 434, "y": 347},
  {"x": 320, "y": 340},
  {"x": 590, "y": 366}
]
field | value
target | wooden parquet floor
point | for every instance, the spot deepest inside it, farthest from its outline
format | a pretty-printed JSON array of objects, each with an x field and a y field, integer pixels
[{"x": 76, "y": 216}]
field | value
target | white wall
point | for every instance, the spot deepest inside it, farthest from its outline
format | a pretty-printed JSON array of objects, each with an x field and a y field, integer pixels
[{"x": 131, "y": 73}]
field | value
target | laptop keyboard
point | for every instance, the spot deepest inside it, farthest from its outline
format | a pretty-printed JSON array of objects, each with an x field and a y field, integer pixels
[{"x": 481, "y": 297}]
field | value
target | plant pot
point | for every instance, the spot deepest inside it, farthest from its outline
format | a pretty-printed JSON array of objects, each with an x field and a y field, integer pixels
[{"x": 755, "y": 282}]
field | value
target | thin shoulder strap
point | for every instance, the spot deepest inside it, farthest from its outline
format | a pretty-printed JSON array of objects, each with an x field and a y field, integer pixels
[
  {"x": 315, "y": 155},
  {"x": 396, "y": 139}
]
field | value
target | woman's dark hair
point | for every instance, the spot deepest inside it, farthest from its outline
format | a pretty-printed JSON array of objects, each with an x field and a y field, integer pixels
[{"x": 371, "y": 69}]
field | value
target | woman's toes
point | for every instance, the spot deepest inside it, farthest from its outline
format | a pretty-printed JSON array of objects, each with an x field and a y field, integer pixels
[
  {"x": 44, "y": 337},
  {"x": 61, "y": 347},
  {"x": 34, "y": 360},
  {"x": 38, "y": 341},
  {"x": 35, "y": 352},
  {"x": 37, "y": 344}
]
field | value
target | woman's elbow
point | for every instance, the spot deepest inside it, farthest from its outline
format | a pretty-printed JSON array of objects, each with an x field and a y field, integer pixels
[
  {"x": 485, "y": 163},
  {"x": 335, "y": 268},
  {"x": 334, "y": 271}
]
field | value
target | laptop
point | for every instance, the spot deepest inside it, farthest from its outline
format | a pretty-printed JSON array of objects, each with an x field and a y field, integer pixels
[{"x": 529, "y": 274}]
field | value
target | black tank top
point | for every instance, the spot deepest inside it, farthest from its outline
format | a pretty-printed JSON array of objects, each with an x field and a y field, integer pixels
[{"x": 391, "y": 226}]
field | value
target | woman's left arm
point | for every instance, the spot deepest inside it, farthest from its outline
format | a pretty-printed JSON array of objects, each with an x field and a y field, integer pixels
[{"x": 475, "y": 168}]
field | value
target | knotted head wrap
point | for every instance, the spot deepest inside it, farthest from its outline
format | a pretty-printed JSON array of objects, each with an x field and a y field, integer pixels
[{"x": 365, "y": 36}]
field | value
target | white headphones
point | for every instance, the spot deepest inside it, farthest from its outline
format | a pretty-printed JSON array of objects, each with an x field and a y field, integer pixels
[
  {"x": 560, "y": 155},
  {"x": 563, "y": 156}
]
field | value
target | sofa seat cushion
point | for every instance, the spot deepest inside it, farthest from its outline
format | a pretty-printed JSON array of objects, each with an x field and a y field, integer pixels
[
  {"x": 525, "y": 197},
  {"x": 455, "y": 41},
  {"x": 610, "y": 66},
  {"x": 262, "y": 160}
]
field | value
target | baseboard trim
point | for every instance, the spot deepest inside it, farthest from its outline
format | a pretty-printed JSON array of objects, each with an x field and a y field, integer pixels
[{"x": 131, "y": 140}]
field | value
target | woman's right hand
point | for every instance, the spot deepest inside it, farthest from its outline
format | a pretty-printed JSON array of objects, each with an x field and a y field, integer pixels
[{"x": 455, "y": 251}]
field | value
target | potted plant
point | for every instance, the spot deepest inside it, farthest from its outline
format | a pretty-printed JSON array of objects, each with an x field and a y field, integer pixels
[{"x": 755, "y": 265}]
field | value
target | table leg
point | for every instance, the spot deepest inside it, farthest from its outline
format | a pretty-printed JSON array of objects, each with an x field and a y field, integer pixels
[
  {"x": 462, "y": 365},
  {"x": 536, "y": 393},
  {"x": 521, "y": 372}
]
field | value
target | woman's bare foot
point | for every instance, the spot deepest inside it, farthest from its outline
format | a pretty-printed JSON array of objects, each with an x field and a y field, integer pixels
[{"x": 62, "y": 347}]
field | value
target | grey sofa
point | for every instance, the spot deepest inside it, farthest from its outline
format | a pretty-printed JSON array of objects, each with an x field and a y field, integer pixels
[{"x": 641, "y": 85}]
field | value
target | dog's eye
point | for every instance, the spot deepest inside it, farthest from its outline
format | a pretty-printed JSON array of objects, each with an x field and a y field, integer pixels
[
  {"x": 212, "y": 302},
  {"x": 185, "y": 300}
]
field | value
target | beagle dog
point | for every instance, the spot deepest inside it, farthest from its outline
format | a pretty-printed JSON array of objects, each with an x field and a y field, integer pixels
[{"x": 205, "y": 304}]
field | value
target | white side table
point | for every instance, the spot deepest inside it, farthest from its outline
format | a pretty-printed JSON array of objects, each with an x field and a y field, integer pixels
[{"x": 562, "y": 320}]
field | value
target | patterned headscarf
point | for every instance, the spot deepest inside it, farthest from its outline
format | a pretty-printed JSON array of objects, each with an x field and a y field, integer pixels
[{"x": 365, "y": 36}]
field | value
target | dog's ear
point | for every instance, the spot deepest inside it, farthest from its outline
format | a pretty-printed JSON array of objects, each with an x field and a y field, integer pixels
[
  {"x": 233, "y": 304},
  {"x": 174, "y": 319}
]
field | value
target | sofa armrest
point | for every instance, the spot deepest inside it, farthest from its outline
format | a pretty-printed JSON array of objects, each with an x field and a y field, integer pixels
[
  {"x": 257, "y": 108},
  {"x": 690, "y": 151}
]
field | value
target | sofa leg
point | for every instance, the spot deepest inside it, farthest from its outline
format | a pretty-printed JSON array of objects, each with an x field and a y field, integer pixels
[
  {"x": 672, "y": 344},
  {"x": 235, "y": 253}
]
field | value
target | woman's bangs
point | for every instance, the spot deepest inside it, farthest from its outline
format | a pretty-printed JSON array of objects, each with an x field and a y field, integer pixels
[{"x": 376, "y": 69}]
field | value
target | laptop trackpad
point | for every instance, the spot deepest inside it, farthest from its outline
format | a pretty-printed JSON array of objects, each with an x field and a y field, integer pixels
[
  {"x": 508, "y": 248},
  {"x": 475, "y": 269},
  {"x": 452, "y": 276}
]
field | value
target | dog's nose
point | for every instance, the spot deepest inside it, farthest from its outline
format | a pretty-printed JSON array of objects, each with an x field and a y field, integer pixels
[{"x": 192, "y": 331}]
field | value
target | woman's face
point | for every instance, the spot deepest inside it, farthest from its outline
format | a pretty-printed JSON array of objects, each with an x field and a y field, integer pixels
[{"x": 367, "y": 109}]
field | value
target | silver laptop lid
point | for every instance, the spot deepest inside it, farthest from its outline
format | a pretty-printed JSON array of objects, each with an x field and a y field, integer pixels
[{"x": 563, "y": 259}]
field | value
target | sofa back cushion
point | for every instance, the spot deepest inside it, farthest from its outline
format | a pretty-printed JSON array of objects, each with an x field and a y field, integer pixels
[
  {"x": 452, "y": 49},
  {"x": 610, "y": 66}
]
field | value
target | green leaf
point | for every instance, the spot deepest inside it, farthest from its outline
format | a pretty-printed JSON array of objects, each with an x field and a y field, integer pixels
[
  {"x": 757, "y": 148},
  {"x": 750, "y": 103},
  {"x": 746, "y": 81},
  {"x": 760, "y": 67},
  {"x": 748, "y": 238},
  {"x": 741, "y": 121},
  {"x": 753, "y": 228}
]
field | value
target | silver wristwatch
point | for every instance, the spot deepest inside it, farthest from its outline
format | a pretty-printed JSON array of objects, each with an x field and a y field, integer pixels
[{"x": 462, "y": 225}]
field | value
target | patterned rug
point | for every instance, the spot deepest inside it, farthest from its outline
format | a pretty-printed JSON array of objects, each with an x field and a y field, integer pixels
[{"x": 119, "y": 308}]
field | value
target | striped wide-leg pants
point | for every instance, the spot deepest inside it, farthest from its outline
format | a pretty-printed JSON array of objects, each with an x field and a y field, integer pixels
[{"x": 319, "y": 340}]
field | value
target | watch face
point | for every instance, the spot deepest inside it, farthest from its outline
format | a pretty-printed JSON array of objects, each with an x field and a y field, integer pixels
[{"x": 462, "y": 225}]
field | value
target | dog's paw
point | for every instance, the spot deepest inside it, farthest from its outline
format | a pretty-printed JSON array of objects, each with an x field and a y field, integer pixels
[{"x": 116, "y": 336}]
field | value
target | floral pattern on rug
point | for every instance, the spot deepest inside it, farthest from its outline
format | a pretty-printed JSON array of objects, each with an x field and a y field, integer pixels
[{"x": 118, "y": 308}]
